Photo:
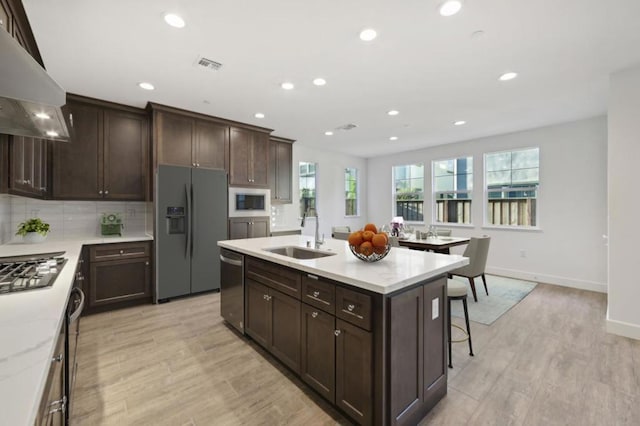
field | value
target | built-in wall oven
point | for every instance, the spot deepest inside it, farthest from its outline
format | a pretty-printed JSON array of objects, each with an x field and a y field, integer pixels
[{"x": 251, "y": 202}]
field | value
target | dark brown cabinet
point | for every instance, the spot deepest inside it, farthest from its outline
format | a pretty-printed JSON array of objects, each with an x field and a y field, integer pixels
[
  {"x": 182, "y": 140},
  {"x": 107, "y": 157},
  {"x": 30, "y": 167},
  {"x": 280, "y": 169},
  {"x": 248, "y": 227},
  {"x": 273, "y": 320},
  {"x": 248, "y": 158},
  {"x": 318, "y": 351},
  {"x": 119, "y": 273}
]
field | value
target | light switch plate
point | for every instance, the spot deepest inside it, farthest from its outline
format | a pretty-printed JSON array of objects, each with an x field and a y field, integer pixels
[{"x": 435, "y": 308}]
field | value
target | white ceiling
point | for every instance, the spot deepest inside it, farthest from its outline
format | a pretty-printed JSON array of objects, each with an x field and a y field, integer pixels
[{"x": 424, "y": 65}]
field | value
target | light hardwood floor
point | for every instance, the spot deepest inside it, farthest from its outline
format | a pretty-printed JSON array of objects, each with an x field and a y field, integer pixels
[{"x": 547, "y": 361}]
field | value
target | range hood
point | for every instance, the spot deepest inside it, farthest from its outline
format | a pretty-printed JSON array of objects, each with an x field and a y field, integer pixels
[{"x": 30, "y": 100}]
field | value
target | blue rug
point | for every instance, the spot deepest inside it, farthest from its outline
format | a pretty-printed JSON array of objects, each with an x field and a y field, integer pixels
[{"x": 504, "y": 294}]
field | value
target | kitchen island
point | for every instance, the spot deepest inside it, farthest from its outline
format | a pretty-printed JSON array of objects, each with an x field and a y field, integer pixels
[{"x": 369, "y": 337}]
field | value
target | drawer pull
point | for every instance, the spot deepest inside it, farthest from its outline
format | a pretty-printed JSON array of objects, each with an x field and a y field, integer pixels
[
  {"x": 351, "y": 307},
  {"x": 316, "y": 293},
  {"x": 314, "y": 314},
  {"x": 351, "y": 313},
  {"x": 121, "y": 251},
  {"x": 57, "y": 358},
  {"x": 313, "y": 277}
]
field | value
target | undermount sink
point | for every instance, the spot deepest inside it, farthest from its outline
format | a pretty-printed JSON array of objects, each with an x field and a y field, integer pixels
[{"x": 299, "y": 252}]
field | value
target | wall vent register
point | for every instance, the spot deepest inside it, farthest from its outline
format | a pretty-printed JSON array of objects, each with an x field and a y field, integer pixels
[{"x": 21, "y": 273}]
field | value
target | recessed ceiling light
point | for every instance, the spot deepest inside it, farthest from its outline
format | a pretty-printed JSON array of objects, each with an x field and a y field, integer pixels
[
  {"x": 459, "y": 123},
  {"x": 508, "y": 76},
  {"x": 328, "y": 133},
  {"x": 287, "y": 86},
  {"x": 146, "y": 86},
  {"x": 450, "y": 7},
  {"x": 174, "y": 20},
  {"x": 52, "y": 133},
  {"x": 43, "y": 115},
  {"x": 258, "y": 115},
  {"x": 368, "y": 34},
  {"x": 393, "y": 112},
  {"x": 319, "y": 81},
  {"x": 393, "y": 138}
]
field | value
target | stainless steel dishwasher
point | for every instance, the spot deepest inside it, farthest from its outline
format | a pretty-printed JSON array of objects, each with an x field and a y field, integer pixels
[{"x": 232, "y": 288}]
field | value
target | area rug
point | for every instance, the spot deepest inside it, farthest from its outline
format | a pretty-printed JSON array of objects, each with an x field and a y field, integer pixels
[{"x": 504, "y": 294}]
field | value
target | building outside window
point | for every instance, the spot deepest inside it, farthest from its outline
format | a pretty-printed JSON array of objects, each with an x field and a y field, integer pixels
[
  {"x": 307, "y": 187},
  {"x": 409, "y": 192},
  {"x": 512, "y": 184},
  {"x": 452, "y": 188},
  {"x": 351, "y": 191}
]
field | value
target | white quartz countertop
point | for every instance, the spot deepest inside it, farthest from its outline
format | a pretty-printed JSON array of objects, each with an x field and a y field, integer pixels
[
  {"x": 399, "y": 269},
  {"x": 29, "y": 324}
]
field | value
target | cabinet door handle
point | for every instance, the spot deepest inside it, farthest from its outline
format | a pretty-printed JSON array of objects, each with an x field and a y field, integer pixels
[
  {"x": 121, "y": 251},
  {"x": 58, "y": 358},
  {"x": 106, "y": 192},
  {"x": 314, "y": 314},
  {"x": 43, "y": 188},
  {"x": 316, "y": 293},
  {"x": 146, "y": 263},
  {"x": 351, "y": 308},
  {"x": 197, "y": 164},
  {"x": 99, "y": 192},
  {"x": 337, "y": 332}
]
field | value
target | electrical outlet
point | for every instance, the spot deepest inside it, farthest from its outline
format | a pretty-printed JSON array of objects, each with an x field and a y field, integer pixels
[
  {"x": 523, "y": 253},
  {"x": 131, "y": 212}
]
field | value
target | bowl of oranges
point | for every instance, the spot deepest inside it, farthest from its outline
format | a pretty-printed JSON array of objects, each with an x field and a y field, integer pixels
[{"x": 368, "y": 244}]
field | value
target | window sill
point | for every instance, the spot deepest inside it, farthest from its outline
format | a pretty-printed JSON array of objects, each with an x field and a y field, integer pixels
[
  {"x": 453, "y": 225},
  {"x": 513, "y": 228}
]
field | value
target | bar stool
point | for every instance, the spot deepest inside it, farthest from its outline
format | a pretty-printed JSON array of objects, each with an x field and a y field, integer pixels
[{"x": 458, "y": 291}]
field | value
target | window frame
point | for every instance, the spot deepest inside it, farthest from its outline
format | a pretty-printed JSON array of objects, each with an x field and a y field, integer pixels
[
  {"x": 394, "y": 212},
  {"x": 312, "y": 212},
  {"x": 357, "y": 192},
  {"x": 434, "y": 193},
  {"x": 486, "y": 192}
]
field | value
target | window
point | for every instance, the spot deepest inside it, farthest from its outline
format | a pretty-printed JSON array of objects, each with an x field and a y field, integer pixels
[
  {"x": 351, "y": 192},
  {"x": 452, "y": 186},
  {"x": 307, "y": 173},
  {"x": 512, "y": 180},
  {"x": 409, "y": 192}
]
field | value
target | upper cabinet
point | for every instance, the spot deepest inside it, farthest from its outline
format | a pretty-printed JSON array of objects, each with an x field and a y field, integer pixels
[
  {"x": 280, "y": 169},
  {"x": 185, "y": 140},
  {"x": 248, "y": 158},
  {"x": 30, "y": 167},
  {"x": 14, "y": 20},
  {"x": 107, "y": 157}
]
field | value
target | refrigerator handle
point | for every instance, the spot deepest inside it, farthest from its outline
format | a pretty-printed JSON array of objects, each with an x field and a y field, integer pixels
[
  {"x": 187, "y": 192},
  {"x": 193, "y": 216}
]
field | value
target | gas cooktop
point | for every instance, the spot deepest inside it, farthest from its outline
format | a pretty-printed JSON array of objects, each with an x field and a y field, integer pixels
[{"x": 21, "y": 273}]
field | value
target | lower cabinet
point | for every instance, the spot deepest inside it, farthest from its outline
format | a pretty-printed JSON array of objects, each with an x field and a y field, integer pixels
[
  {"x": 119, "y": 273},
  {"x": 273, "y": 320},
  {"x": 54, "y": 401},
  {"x": 248, "y": 227}
]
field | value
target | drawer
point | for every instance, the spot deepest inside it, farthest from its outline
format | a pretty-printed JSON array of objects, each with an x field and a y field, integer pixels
[
  {"x": 319, "y": 293},
  {"x": 104, "y": 252},
  {"x": 275, "y": 276},
  {"x": 354, "y": 307}
]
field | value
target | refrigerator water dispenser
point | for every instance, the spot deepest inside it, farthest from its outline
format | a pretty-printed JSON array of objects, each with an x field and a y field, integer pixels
[{"x": 175, "y": 220}]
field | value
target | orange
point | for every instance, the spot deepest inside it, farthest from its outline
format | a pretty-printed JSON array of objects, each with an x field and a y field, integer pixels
[
  {"x": 379, "y": 240},
  {"x": 367, "y": 235},
  {"x": 366, "y": 248},
  {"x": 355, "y": 238},
  {"x": 371, "y": 227},
  {"x": 379, "y": 250}
]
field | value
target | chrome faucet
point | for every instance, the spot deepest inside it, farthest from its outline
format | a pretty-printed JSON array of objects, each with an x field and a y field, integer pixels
[{"x": 318, "y": 241}]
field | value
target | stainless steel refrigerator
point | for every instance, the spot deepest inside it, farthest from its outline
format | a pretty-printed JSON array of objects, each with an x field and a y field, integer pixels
[{"x": 191, "y": 217}]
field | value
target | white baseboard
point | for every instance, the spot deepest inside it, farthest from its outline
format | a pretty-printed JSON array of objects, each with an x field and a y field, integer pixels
[
  {"x": 622, "y": 328},
  {"x": 549, "y": 279}
]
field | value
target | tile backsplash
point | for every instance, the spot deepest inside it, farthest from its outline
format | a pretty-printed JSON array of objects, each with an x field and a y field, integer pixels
[{"x": 69, "y": 219}]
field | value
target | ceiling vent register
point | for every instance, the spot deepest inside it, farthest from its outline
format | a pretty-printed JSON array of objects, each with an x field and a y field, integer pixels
[
  {"x": 348, "y": 126},
  {"x": 208, "y": 64}
]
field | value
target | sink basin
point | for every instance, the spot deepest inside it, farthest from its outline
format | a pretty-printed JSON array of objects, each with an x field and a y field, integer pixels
[{"x": 299, "y": 252}]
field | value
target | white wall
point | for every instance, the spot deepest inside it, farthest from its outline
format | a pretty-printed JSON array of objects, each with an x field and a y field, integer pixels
[
  {"x": 624, "y": 204},
  {"x": 569, "y": 249},
  {"x": 330, "y": 191}
]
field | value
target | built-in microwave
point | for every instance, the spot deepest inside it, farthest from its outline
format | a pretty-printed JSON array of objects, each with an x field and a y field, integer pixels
[{"x": 249, "y": 202}]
